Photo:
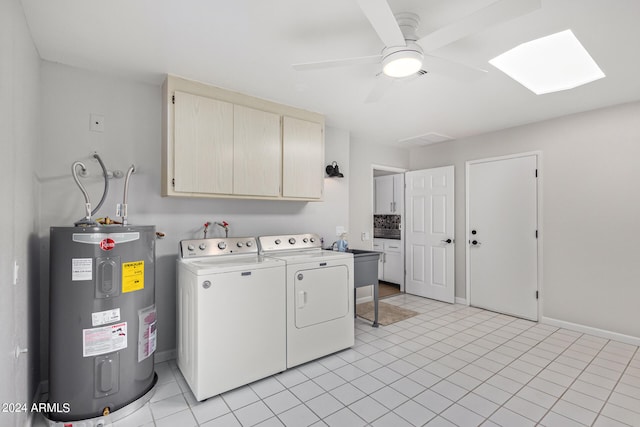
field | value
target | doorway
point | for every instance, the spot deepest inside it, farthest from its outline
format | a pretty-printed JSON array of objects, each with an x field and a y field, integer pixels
[
  {"x": 502, "y": 234},
  {"x": 388, "y": 224}
]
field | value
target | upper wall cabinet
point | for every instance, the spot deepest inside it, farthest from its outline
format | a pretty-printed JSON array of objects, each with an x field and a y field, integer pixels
[
  {"x": 256, "y": 152},
  {"x": 203, "y": 145},
  {"x": 218, "y": 143},
  {"x": 302, "y": 145},
  {"x": 389, "y": 194}
]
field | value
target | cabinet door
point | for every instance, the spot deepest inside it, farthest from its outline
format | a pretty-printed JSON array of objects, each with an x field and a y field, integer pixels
[
  {"x": 398, "y": 194},
  {"x": 394, "y": 261},
  {"x": 203, "y": 145},
  {"x": 303, "y": 159},
  {"x": 256, "y": 152},
  {"x": 393, "y": 267},
  {"x": 384, "y": 194}
]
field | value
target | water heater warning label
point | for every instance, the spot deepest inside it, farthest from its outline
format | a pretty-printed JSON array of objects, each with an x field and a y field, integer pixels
[
  {"x": 104, "y": 340},
  {"x": 81, "y": 269},
  {"x": 132, "y": 276}
]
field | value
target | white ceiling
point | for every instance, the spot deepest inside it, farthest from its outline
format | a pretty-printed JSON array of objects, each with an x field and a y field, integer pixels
[{"x": 249, "y": 46}]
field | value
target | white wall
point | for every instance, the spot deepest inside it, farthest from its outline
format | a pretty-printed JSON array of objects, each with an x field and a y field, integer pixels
[
  {"x": 132, "y": 112},
  {"x": 19, "y": 126},
  {"x": 591, "y": 211}
]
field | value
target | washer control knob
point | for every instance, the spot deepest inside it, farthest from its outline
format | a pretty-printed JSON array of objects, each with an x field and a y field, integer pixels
[
  {"x": 278, "y": 241},
  {"x": 203, "y": 246},
  {"x": 305, "y": 240},
  {"x": 240, "y": 244},
  {"x": 292, "y": 241},
  {"x": 313, "y": 240},
  {"x": 249, "y": 243},
  {"x": 222, "y": 245},
  {"x": 191, "y": 247}
]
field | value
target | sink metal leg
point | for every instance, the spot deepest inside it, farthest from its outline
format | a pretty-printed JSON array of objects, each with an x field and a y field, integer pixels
[{"x": 375, "y": 305}]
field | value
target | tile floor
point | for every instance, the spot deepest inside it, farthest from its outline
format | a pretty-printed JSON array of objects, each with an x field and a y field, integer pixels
[{"x": 451, "y": 365}]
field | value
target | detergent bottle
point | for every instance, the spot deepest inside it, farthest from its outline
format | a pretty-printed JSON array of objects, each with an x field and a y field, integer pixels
[{"x": 342, "y": 243}]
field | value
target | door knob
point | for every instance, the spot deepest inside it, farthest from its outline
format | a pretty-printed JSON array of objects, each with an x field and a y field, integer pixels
[{"x": 446, "y": 241}]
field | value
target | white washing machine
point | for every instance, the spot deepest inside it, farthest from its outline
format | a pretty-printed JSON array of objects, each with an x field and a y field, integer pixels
[
  {"x": 231, "y": 314},
  {"x": 319, "y": 283}
]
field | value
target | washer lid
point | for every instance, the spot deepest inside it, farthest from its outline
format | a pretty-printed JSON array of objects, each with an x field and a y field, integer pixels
[{"x": 230, "y": 263}]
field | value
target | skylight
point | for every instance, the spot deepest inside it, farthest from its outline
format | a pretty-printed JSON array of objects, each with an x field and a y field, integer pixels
[{"x": 549, "y": 64}]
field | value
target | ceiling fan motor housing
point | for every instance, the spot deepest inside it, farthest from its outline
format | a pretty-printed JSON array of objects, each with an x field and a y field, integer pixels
[
  {"x": 403, "y": 61},
  {"x": 408, "y": 23}
]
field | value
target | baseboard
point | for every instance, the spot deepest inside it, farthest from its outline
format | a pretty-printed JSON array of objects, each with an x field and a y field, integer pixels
[
  {"x": 163, "y": 356},
  {"x": 462, "y": 301},
  {"x": 628, "y": 339}
]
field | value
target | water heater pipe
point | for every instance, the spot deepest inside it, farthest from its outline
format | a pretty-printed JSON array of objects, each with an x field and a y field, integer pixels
[
  {"x": 87, "y": 203},
  {"x": 123, "y": 209}
]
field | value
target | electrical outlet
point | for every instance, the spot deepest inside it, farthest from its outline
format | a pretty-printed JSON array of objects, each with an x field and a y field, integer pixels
[
  {"x": 16, "y": 269},
  {"x": 97, "y": 122}
]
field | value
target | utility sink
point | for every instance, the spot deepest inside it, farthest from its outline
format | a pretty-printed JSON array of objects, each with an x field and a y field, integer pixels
[{"x": 365, "y": 273}]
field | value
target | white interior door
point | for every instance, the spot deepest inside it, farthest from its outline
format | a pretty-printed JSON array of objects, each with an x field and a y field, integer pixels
[
  {"x": 502, "y": 251},
  {"x": 429, "y": 232}
]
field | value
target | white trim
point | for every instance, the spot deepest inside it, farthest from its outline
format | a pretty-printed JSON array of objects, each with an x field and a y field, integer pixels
[
  {"x": 462, "y": 301},
  {"x": 387, "y": 168},
  {"x": 468, "y": 163},
  {"x": 395, "y": 169},
  {"x": 591, "y": 331},
  {"x": 163, "y": 356}
]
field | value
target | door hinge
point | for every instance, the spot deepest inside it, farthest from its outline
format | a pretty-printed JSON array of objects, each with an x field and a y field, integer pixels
[
  {"x": 173, "y": 99},
  {"x": 536, "y": 173},
  {"x": 537, "y": 295},
  {"x": 173, "y": 182},
  {"x": 536, "y": 234}
]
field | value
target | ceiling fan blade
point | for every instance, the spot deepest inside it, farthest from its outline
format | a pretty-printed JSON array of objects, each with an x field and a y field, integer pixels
[
  {"x": 455, "y": 70},
  {"x": 381, "y": 17},
  {"x": 373, "y": 59},
  {"x": 380, "y": 87},
  {"x": 495, "y": 13}
]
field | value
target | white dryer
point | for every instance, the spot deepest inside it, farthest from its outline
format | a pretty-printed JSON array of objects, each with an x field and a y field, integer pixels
[
  {"x": 319, "y": 287},
  {"x": 230, "y": 314}
]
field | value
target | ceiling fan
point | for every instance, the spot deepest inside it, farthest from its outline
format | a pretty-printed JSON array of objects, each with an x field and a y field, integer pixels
[{"x": 404, "y": 54}]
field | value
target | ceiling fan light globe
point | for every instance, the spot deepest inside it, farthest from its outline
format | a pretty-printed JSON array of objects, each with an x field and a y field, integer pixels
[{"x": 402, "y": 64}]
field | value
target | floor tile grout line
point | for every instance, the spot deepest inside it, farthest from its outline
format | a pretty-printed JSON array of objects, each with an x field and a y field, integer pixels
[
  {"x": 499, "y": 315},
  {"x": 455, "y": 348},
  {"x": 616, "y": 385}
]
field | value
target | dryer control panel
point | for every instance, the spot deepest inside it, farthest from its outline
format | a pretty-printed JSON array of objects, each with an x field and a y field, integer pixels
[
  {"x": 289, "y": 242},
  {"x": 221, "y": 246}
]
